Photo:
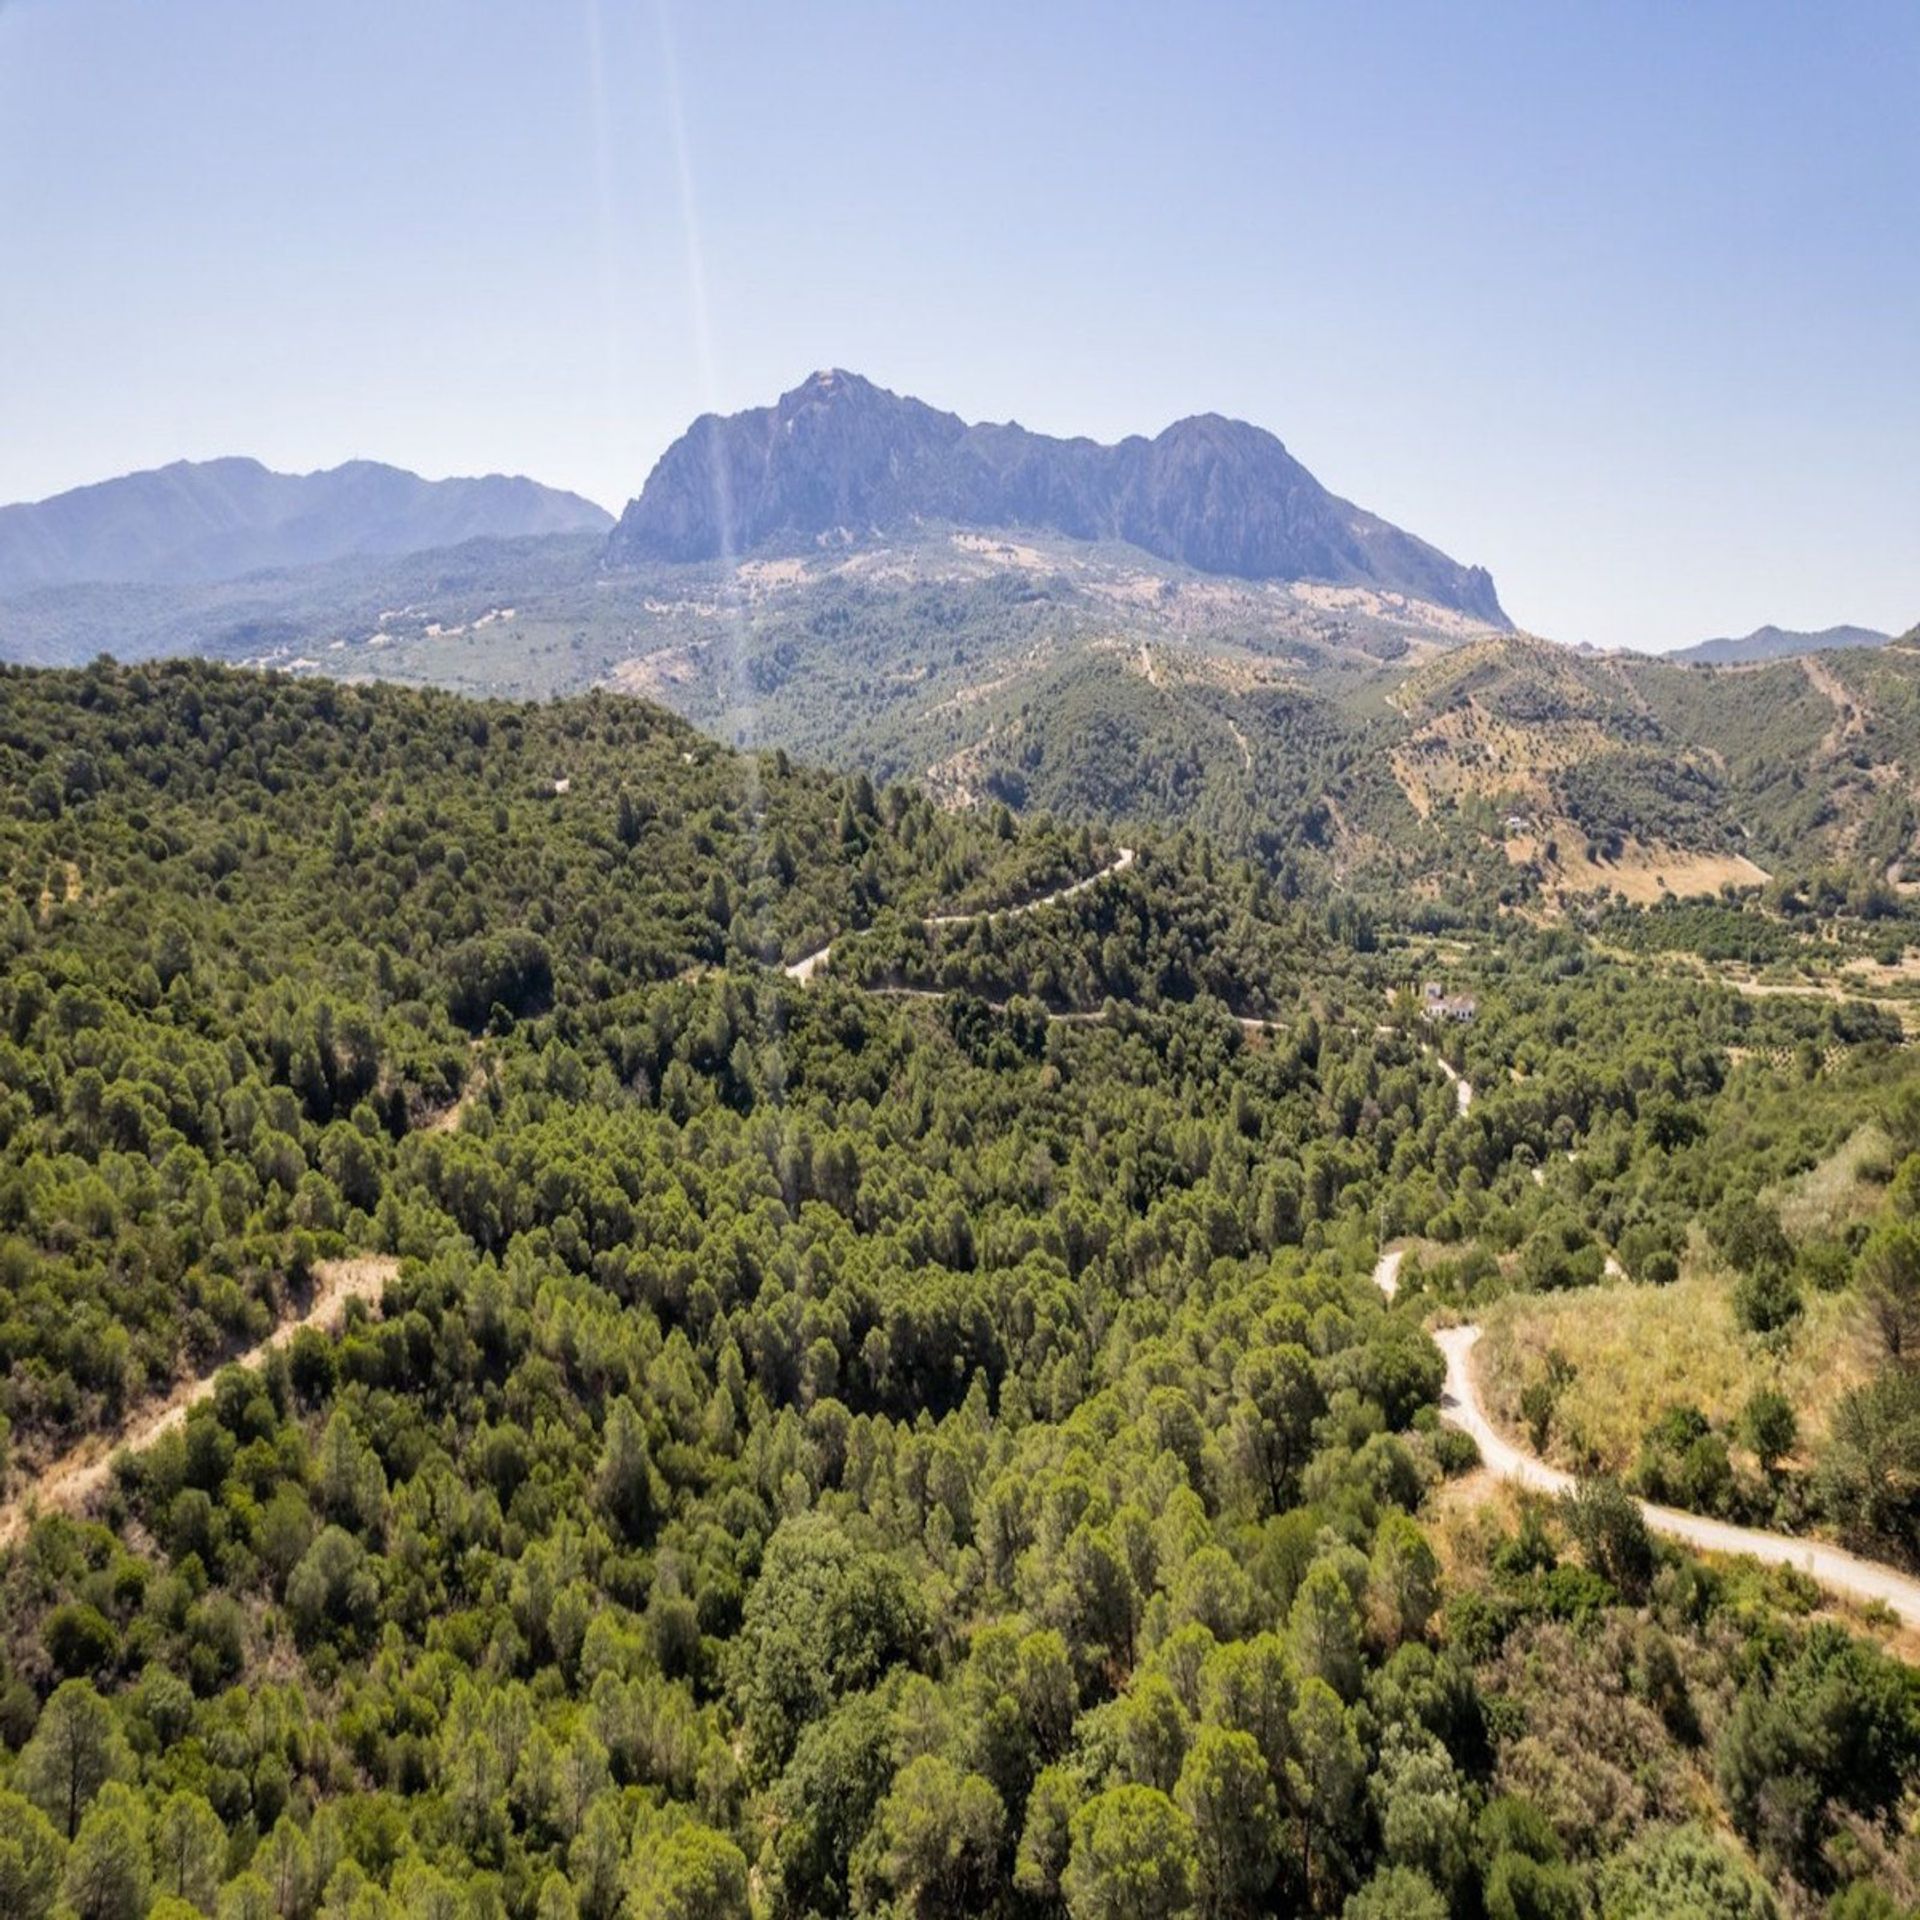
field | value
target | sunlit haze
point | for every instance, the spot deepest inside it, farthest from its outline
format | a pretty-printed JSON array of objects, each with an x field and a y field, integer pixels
[{"x": 1618, "y": 301}]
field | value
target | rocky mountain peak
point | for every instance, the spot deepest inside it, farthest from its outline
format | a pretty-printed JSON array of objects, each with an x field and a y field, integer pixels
[{"x": 839, "y": 455}]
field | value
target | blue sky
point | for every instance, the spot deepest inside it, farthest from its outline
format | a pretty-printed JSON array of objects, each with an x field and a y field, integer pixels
[{"x": 1621, "y": 300}]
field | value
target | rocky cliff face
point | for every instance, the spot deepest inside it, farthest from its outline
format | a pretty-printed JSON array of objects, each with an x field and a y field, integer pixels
[{"x": 841, "y": 457}]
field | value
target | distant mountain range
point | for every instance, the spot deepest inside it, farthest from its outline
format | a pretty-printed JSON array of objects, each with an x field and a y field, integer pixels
[
  {"x": 201, "y": 521},
  {"x": 840, "y": 460},
  {"x": 1184, "y": 630},
  {"x": 1777, "y": 643}
]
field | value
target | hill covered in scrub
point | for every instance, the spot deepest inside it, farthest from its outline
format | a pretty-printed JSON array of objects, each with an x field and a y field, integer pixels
[
  {"x": 922, "y": 1440},
  {"x": 356, "y": 888},
  {"x": 1367, "y": 738},
  {"x": 1618, "y": 773}
]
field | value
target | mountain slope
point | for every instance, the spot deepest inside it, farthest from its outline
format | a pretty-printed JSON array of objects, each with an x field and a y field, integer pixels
[
  {"x": 212, "y": 520},
  {"x": 839, "y": 458},
  {"x": 1641, "y": 776},
  {"x": 1776, "y": 643},
  {"x": 793, "y": 1450}
]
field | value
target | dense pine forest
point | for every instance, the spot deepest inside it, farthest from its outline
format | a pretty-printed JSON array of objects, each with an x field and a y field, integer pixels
[{"x": 922, "y": 1440}]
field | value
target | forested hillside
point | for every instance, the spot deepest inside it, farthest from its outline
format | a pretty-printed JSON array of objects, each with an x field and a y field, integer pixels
[
  {"x": 259, "y": 932},
  {"x": 920, "y": 1441},
  {"x": 1350, "y": 734}
]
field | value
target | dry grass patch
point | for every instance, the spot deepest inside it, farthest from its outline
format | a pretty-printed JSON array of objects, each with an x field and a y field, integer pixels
[
  {"x": 1007, "y": 553},
  {"x": 1466, "y": 1519},
  {"x": 72, "y": 889},
  {"x": 1872, "y": 973},
  {"x": 1381, "y": 605},
  {"x": 650, "y": 674},
  {"x": 764, "y": 576},
  {"x": 1645, "y": 873},
  {"x": 1848, "y": 1185},
  {"x": 1642, "y": 873},
  {"x": 1637, "y": 1351}
]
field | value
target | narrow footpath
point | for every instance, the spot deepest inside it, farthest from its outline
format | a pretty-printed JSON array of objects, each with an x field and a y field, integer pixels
[{"x": 73, "y": 1479}]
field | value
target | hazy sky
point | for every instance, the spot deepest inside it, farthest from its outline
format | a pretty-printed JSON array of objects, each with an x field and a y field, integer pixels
[{"x": 1621, "y": 300}]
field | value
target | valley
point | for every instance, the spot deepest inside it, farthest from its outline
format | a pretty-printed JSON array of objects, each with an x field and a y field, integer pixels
[
  {"x": 1379, "y": 741},
  {"x": 1114, "y": 1115},
  {"x": 1182, "y": 631},
  {"x": 609, "y": 1208}
]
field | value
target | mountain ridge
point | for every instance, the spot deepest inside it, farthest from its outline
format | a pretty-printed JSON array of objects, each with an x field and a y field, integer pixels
[
  {"x": 1776, "y": 643},
  {"x": 204, "y": 521},
  {"x": 839, "y": 458}
]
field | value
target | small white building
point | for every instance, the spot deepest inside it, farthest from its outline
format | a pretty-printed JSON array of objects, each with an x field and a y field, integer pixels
[{"x": 1436, "y": 1003}]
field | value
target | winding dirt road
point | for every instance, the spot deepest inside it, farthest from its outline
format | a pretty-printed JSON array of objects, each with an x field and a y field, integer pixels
[
  {"x": 806, "y": 967},
  {"x": 73, "y": 1479},
  {"x": 1833, "y": 1567},
  {"x": 1462, "y": 1086}
]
